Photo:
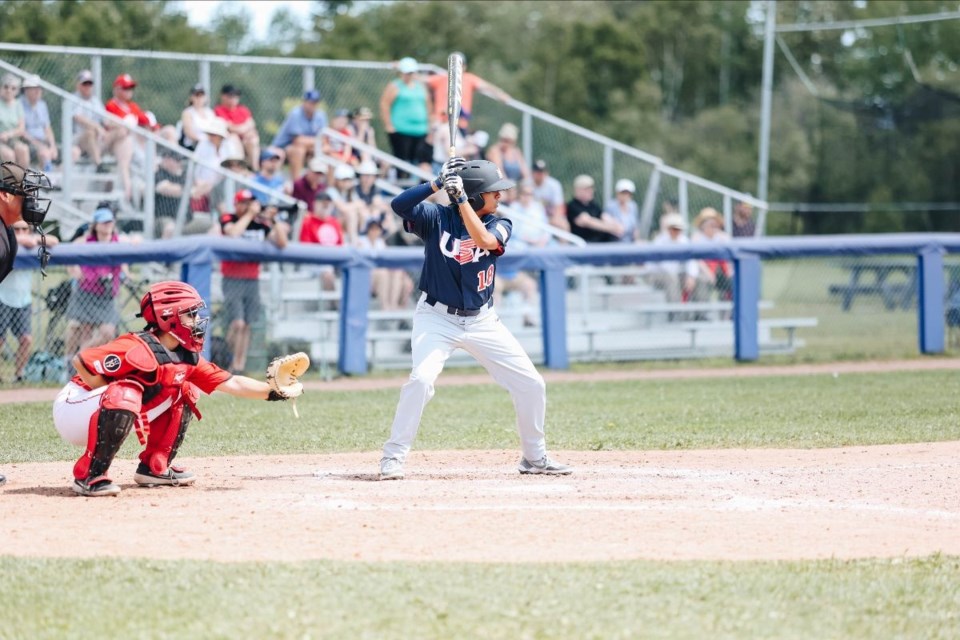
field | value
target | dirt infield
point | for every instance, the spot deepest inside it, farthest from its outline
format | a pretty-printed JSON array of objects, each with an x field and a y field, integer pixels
[
  {"x": 882, "y": 501},
  {"x": 879, "y": 501}
]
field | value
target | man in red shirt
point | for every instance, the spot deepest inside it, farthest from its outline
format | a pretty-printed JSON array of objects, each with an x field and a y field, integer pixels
[
  {"x": 123, "y": 106},
  {"x": 240, "y": 123},
  {"x": 148, "y": 380},
  {"x": 241, "y": 280}
]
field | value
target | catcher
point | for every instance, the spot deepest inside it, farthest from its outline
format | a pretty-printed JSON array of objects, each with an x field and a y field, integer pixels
[
  {"x": 20, "y": 202},
  {"x": 150, "y": 381}
]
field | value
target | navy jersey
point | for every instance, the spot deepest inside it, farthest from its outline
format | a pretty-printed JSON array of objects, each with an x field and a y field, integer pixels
[{"x": 455, "y": 271}]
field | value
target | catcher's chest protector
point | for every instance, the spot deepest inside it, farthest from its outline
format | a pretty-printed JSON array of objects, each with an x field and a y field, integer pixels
[{"x": 172, "y": 370}]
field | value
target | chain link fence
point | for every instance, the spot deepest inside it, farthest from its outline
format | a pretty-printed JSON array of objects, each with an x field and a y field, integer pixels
[{"x": 811, "y": 310}]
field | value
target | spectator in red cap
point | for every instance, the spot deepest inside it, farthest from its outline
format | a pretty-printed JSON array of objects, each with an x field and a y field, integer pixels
[
  {"x": 123, "y": 106},
  {"x": 241, "y": 280},
  {"x": 240, "y": 123}
]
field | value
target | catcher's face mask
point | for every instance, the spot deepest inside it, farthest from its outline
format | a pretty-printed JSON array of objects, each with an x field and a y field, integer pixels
[
  {"x": 27, "y": 183},
  {"x": 191, "y": 330}
]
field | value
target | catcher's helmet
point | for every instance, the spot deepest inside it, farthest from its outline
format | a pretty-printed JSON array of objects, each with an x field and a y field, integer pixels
[{"x": 164, "y": 306}]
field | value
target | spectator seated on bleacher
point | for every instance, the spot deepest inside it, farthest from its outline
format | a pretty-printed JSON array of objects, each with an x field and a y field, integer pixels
[
  {"x": 676, "y": 278},
  {"x": 712, "y": 275},
  {"x": 219, "y": 198},
  {"x": 337, "y": 149},
  {"x": 585, "y": 216},
  {"x": 623, "y": 208},
  {"x": 13, "y": 148},
  {"x": 346, "y": 202},
  {"x": 194, "y": 118},
  {"x": 297, "y": 136},
  {"x": 213, "y": 150},
  {"x": 269, "y": 176},
  {"x": 312, "y": 182},
  {"x": 90, "y": 136},
  {"x": 507, "y": 155},
  {"x": 441, "y": 141},
  {"x": 363, "y": 131},
  {"x": 548, "y": 191},
  {"x": 372, "y": 205},
  {"x": 39, "y": 132},
  {"x": 170, "y": 179},
  {"x": 123, "y": 106},
  {"x": 390, "y": 287},
  {"x": 240, "y": 123},
  {"x": 529, "y": 233}
]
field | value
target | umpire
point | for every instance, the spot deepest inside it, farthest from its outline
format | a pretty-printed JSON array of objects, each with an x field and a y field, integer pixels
[{"x": 20, "y": 201}]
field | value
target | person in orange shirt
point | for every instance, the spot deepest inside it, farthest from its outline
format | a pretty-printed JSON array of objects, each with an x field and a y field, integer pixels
[{"x": 437, "y": 84}]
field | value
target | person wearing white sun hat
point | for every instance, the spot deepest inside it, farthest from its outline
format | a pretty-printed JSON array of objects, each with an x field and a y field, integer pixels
[{"x": 624, "y": 209}]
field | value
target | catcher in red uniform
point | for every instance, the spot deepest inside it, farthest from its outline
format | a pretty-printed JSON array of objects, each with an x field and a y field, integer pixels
[{"x": 150, "y": 381}]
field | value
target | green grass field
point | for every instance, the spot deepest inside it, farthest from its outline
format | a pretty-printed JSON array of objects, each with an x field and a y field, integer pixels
[{"x": 917, "y": 598}]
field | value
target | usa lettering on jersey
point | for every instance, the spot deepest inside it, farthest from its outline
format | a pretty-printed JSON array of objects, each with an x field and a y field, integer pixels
[{"x": 463, "y": 251}]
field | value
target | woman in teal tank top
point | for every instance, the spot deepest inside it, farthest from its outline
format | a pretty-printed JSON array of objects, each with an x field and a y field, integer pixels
[{"x": 406, "y": 109}]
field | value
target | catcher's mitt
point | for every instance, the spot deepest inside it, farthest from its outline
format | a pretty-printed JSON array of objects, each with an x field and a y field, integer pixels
[{"x": 282, "y": 374}]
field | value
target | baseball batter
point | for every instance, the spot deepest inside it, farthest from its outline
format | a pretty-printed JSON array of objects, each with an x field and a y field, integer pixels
[
  {"x": 20, "y": 201},
  {"x": 462, "y": 242},
  {"x": 150, "y": 380}
]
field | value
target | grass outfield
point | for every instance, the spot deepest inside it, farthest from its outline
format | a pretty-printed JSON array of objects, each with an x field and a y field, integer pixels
[
  {"x": 775, "y": 411},
  {"x": 150, "y": 599},
  {"x": 45, "y": 598}
]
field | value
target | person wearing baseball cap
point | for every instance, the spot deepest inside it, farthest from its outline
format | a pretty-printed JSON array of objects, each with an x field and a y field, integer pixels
[
  {"x": 123, "y": 106},
  {"x": 196, "y": 113},
  {"x": 91, "y": 135},
  {"x": 406, "y": 115},
  {"x": 269, "y": 175},
  {"x": 241, "y": 280},
  {"x": 623, "y": 208},
  {"x": 298, "y": 133},
  {"x": 240, "y": 122},
  {"x": 549, "y": 192},
  {"x": 312, "y": 182}
]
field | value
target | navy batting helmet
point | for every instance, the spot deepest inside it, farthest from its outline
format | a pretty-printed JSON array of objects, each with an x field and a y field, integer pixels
[{"x": 482, "y": 176}]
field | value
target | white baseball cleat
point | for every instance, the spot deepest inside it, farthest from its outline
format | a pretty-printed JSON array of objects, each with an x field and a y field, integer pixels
[
  {"x": 391, "y": 469},
  {"x": 544, "y": 466}
]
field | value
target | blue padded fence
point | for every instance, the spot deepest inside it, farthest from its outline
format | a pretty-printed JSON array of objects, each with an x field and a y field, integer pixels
[{"x": 197, "y": 255}]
